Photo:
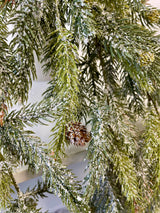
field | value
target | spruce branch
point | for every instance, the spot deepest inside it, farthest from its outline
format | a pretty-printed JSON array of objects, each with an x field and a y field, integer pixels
[
  {"x": 154, "y": 104},
  {"x": 11, "y": 175},
  {"x": 103, "y": 59},
  {"x": 108, "y": 150},
  {"x": 10, "y": 180},
  {"x": 33, "y": 152},
  {"x": 65, "y": 73}
]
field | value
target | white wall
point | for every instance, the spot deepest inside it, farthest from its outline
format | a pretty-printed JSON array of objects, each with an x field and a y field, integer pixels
[{"x": 155, "y": 3}]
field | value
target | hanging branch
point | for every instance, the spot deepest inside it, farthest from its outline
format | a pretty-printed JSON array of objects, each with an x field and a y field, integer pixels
[{"x": 154, "y": 104}]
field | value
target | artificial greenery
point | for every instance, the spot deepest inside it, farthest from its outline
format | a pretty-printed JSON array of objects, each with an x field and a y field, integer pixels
[{"x": 103, "y": 58}]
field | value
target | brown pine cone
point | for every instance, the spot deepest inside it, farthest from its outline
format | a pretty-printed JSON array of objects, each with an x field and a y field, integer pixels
[{"x": 77, "y": 134}]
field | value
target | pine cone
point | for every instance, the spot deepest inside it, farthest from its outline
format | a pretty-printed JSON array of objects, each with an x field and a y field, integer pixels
[{"x": 77, "y": 134}]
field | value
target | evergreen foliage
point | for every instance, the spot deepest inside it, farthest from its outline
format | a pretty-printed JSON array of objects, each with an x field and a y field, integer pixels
[{"x": 103, "y": 57}]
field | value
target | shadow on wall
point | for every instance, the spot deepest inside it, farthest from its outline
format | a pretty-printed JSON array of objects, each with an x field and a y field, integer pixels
[{"x": 61, "y": 210}]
